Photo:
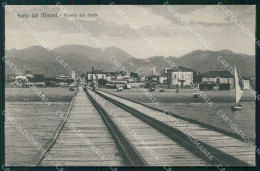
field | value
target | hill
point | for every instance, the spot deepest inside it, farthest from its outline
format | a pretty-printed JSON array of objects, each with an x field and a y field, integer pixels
[
  {"x": 82, "y": 58},
  {"x": 95, "y": 54},
  {"x": 201, "y": 61}
]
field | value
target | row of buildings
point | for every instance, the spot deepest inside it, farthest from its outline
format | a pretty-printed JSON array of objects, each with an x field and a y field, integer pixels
[
  {"x": 169, "y": 78},
  {"x": 113, "y": 79},
  {"x": 172, "y": 78},
  {"x": 39, "y": 80},
  {"x": 219, "y": 80}
]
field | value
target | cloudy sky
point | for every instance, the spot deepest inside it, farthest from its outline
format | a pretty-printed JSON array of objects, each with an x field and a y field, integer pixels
[{"x": 156, "y": 23}]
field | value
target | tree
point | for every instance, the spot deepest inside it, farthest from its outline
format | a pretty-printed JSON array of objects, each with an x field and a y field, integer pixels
[
  {"x": 102, "y": 82},
  {"x": 134, "y": 75}
]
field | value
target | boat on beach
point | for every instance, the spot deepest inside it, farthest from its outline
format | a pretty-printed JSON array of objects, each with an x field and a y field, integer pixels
[
  {"x": 119, "y": 88},
  {"x": 196, "y": 95}
]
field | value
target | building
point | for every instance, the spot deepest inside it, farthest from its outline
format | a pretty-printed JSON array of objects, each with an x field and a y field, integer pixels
[
  {"x": 120, "y": 76},
  {"x": 165, "y": 71},
  {"x": 141, "y": 79},
  {"x": 20, "y": 77},
  {"x": 62, "y": 80},
  {"x": 116, "y": 83},
  {"x": 63, "y": 84},
  {"x": 180, "y": 76},
  {"x": 152, "y": 77},
  {"x": 111, "y": 76},
  {"x": 73, "y": 75},
  {"x": 245, "y": 83},
  {"x": 29, "y": 75},
  {"x": 163, "y": 79},
  {"x": 51, "y": 82},
  {"x": 36, "y": 78},
  {"x": 10, "y": 80},
  {"x": 64, "y": 77},
  {"x": 96, "y": 75},
  {"x": 114, "y": 76},
  {"x": 218, "y": 77},
  {"x": 158, "y": 78},
  {"x": 152, "y": 84},
  {"x": 10, "y": 76}
]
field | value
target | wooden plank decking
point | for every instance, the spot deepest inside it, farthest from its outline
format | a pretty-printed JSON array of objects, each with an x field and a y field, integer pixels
[
  {"x": 232, "y": 146},
  {"x": 77, "y": 145},
  {"x": 70, "y": 149},
  {"x": 156, "y": 148}
]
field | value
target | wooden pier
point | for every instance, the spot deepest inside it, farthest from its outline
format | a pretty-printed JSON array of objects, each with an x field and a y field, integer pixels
[
  {"x": 126, "y": 133},
  {"x": 72, "y": 150},
  {"x": 224, "y": 143}
]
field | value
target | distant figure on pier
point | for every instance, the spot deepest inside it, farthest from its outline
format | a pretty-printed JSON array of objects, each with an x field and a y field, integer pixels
[
  {"x": 177, "y": 88},
  {"x": 43, "y": 97}
]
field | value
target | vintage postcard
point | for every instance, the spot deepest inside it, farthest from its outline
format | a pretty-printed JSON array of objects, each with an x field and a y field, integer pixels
[{"x": 130, "y": 85}]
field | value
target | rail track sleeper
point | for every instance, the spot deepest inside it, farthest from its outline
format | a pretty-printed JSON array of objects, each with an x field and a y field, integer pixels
[
  {"x": 213, "y": 128},
  {"x": 130, "y": 155},
  {"x": 219, "y": 157}
]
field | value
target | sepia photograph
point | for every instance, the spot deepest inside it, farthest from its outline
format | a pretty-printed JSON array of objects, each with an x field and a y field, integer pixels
[{"x": 130, "y": 85}]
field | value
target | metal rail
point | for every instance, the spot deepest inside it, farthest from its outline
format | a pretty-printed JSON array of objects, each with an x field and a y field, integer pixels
[
  {"x": 129, "y": 153},
  {"x": 219, "y": 157},
  {"x": 210, "y": 127}
]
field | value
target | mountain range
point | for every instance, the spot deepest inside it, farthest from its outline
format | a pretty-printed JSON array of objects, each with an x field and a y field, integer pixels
[{"x": 82, "y": 58}]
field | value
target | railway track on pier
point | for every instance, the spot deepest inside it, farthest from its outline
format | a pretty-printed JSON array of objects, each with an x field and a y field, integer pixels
[
  {"x": 127, "y": 133},
  {"x": 225, "y": 150},
  {"x": 126, "y": 148},
  {"x": 154, "y": 148}
]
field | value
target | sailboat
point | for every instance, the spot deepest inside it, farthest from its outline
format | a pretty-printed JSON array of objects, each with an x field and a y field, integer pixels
[{"x": 238, "y": 94}]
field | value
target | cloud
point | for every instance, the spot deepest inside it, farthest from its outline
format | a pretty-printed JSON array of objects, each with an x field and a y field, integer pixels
[{"x": 155, "y": 21}]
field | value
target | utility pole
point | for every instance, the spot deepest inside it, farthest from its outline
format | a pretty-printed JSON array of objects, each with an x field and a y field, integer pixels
[
  {"x": 162, "y": 74},
  {"x": 93, "y": 77}
]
